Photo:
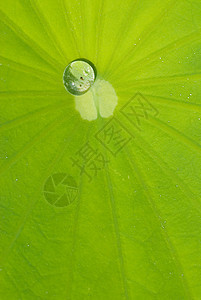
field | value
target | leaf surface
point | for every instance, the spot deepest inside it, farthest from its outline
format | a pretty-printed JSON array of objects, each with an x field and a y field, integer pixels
[{"x": 131, "y": 229}]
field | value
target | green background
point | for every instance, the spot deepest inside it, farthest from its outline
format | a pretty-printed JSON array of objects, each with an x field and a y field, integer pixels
[{"x": 134, "y": 231}]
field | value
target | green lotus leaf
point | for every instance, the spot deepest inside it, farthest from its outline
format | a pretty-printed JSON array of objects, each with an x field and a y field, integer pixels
[{"x": 100, "y": 194}]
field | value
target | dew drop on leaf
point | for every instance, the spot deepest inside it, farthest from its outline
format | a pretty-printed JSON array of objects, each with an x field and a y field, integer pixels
[{"x": 79, "y": 76}]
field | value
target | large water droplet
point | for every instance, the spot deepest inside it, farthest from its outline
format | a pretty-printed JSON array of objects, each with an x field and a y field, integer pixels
[{"x": 79, "y": 76}]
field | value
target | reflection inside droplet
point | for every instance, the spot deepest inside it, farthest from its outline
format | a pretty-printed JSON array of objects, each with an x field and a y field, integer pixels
[{"x": 79, "y": 76}]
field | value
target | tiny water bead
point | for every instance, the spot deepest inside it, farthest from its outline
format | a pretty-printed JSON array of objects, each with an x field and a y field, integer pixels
[
  {"x": 94, "y": 96},
  {"x": 79, "y": 76}
]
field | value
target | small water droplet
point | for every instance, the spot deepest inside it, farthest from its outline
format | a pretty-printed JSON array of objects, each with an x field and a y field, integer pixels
[{"x": 79, "y": 76}]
